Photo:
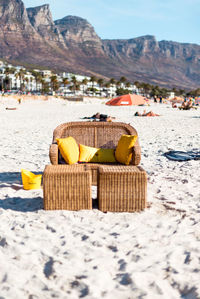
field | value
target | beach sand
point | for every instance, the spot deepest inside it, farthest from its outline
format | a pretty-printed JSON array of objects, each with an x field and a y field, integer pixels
[{"x": 90, "y": 254}]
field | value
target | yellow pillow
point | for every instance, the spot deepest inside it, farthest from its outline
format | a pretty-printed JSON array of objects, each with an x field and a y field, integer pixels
[
  {"x": 96, "y": 155},
  {"x": 123, "y": 153},
  {"x": 69, "y": 149}
]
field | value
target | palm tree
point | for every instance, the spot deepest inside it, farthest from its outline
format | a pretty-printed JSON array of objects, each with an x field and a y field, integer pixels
[
  {"x": 31, "y": 83},
  {"x": 118, "y": 83},
  {"x": 2, "y": 84},
  {"x": 74, "y": 84},
  {"x": 155, "y": 91},
  {"x": 45, "y": 86},
  {"x": 37, "y": 77},
  {"x": 137, "y": 84},
  {"x": 84, "y": 82},
  {"x": 65, "y": 81},
  {"x": 54, "y": 83},
  {"x": 20, "y": 75},
  {"x": 123, "y": 79},
  {"x": 74, "y": 87},
  {"x": 73, "y": 79},
  {"x": 100, "y": 81},
  {"x": 107, "y": 84},
  {"x": 112, "y": 81},
  {"x": 146, "y": 88},
  {"x": 93, "y": 79},
  {"x": 7, "y": 82},
  {"x": 26, "y": 79}
]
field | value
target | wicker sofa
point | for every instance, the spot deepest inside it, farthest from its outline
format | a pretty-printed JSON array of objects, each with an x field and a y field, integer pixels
[
  {"x": 95, "y": 134},
  {"x": 120, "y": 188}
]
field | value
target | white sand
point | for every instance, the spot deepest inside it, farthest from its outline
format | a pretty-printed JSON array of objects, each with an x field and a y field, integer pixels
[{"x": 90, "y": 254}]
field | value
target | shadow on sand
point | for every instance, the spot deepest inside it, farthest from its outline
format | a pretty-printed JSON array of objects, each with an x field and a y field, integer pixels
[
  {"x": 13, "y": 180},
  {"x": 20, "y": 204}
]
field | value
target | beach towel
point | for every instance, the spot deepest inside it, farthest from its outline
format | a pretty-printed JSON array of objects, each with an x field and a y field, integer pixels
[{"x": 182, "y": 156}]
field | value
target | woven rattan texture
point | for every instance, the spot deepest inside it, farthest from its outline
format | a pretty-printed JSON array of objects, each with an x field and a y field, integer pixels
[
  {"x": 122, "y": 188},
  {"x": 95, "y": 134},
  {"x": 67, "y": 188}
]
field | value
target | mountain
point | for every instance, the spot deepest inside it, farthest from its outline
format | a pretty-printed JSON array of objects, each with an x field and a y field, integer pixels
[
  {"x": 164, "y": 63},
  {"x": 79, "y": 32},
  {"x": 30, "y": 36},
  {"x": 41, "y": 19}
]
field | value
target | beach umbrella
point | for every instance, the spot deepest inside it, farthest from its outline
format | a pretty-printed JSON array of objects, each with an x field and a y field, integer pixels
[{"x": 128, "y": 100}]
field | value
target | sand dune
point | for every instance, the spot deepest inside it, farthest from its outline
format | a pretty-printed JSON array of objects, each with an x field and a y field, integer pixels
[{"x": 90, "y": 254}]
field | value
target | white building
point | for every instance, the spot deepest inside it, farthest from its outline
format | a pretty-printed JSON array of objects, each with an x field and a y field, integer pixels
[{"x": 46, "y": 73}]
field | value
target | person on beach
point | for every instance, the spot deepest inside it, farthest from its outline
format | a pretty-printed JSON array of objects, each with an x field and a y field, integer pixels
[
  {"x": 174, "y": 105},
  {"x": 150, "y": 113},
  {"x": 100, "y": 117},
  {"x": 187, "y": 105}
]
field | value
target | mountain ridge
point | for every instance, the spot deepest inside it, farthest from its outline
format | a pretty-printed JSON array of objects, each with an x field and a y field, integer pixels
[{"x": 71, "y": 44}]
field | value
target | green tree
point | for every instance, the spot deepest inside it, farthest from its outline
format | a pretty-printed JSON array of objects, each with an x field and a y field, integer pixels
[
  {"x": 75, "y": 87},
  {"x": 7, "y": 83},
  {"x": 20, "y": 75},
  {"x": 26, "y": 79},
  {"x": 93, "y": 79},
  {"x": 100, "y": 82},
  {"x": 65, "y": 81},
  {"x": 128, "y": 84},
  {"x": 118, "y": 83},
  {"x": 121, "y": 91},
  {"x": 112, "y": 81},
  {"x": 54, "y": 83},
  {"x": 37, "y": 77},
  {"x": 107, "y": 84},
  {"x": 146, "y": 88},
  {"x": 45, "y": 86},
  {"x": 84, "y": 83},
  {"x": 123, "y": 79}
]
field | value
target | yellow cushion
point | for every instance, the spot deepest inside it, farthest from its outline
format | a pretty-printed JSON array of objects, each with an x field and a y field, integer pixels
[
  {"x": 69, "y": 149},
  {"x": 123, "y": 153},
  {"x": 96, "y": 155}
]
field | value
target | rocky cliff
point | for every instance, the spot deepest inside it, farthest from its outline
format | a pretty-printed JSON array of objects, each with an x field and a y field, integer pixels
[
  {"x": 71, "y": 44},
  {"x": 41, "y": 19},
  {"x": 156, "y": 62},
  {"x": 78, "y": 31},
  {"x": 13, "y": 15}
]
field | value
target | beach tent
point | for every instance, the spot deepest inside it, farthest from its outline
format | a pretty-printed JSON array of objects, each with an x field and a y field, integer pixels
[{"x": 127, "y": 100}]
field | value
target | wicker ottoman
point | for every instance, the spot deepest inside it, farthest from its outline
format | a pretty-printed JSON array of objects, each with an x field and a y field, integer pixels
[
  {"x": 122, "y": 188},
  {"x": 67, "y": 188}
]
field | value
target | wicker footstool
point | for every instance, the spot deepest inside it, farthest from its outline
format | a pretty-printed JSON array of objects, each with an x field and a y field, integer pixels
[
  {"x": 122, "y": 188},
  {"x": 67, "y": 188}
]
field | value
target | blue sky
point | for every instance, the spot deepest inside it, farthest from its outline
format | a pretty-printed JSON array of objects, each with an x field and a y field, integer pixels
[{"x": 176, "y": 20}]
